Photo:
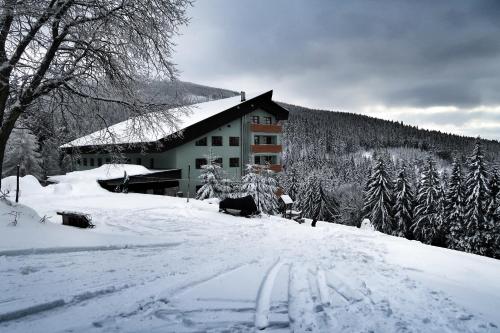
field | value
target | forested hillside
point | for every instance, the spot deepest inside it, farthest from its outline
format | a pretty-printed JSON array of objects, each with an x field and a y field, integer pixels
[
  {"x": 334, "y": 133},
  {"x": 438, "y": 188}
]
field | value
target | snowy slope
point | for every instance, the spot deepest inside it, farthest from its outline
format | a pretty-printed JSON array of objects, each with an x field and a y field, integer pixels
[{"x": 161, "y": 264}]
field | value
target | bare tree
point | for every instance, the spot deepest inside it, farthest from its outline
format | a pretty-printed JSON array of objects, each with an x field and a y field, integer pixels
[{"x": 55, "y": 51}]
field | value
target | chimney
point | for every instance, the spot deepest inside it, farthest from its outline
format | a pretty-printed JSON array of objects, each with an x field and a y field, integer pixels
[{"x": 243, "y": 96}]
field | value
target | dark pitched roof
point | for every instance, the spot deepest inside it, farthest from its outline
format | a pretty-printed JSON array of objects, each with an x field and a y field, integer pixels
[{"x": 263, "y": 101}]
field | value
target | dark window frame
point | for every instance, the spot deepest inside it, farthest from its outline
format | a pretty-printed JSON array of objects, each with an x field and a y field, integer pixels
[
  {"x": 268, "y": 120},
  {"x": 151, "y": 163},
  {"x": 199, "y": 162},
  {"x": 84, "y": 161},
  {"x": 234, "y": 141},
  {"x": 255, "y": 120},
  {"x": 215, "y": 139},
  {"x": 219, "y": 161},
  {"x": 201, "y": 142},
  {"x": 91, "y": 161},
  {"x": 138, "y": 161},
  {"x": 234, "y": 162},
  {"x": 99, "y": 161}
]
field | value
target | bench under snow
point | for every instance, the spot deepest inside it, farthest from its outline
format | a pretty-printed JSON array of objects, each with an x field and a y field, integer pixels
[{"x": 76, "y": 219}]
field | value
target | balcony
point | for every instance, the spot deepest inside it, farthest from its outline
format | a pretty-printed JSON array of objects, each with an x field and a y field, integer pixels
[
  {"x": 266, "y": 128},
  {"x": 272, "y": 167},
  {"x": 266, "y": 148},
  {"x": 275, "y": 167}
]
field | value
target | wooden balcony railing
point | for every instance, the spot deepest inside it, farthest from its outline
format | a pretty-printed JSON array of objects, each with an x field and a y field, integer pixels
[
  {"x": 275, "y": 167},
  {"x": 266, "y": 148},
  {"x": 266, "y": 128}
]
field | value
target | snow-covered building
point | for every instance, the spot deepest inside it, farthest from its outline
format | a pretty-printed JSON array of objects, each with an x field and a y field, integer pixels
[{"x": 237, "y": 130}]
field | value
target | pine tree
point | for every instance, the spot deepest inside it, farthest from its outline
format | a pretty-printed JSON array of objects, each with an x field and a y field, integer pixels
[
  {"x": 260, "y": 183},
  {"x": 292, "y": 187},
  {"x": 316, "y": 204},
  {"x": 403, "y": 205},
  {"x": 23, "y": 149},
  {"x": 213, "y": 182},
  {"x": 494, "y": 198},
  {"x": 427, "y": 226},
  {"x": 493, "y": 213},
  {"x": 378, "y": 199},
  {"x": 479, "y": 229},
  {"x": 454, "y": 208}
]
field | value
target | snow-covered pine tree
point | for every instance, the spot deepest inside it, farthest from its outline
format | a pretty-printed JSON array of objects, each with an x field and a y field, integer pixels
[
  {"x": 493, "y": 213},
  {"x": 212, "y": 177},
  {"x": 260, "y": 183},
  {"x": 454, "y": 208},
  {"x": 480, "y": 238},
  {"x": 494, "y": 199},
  {"x": 427, "y": 226},
  {"x": 292, "y": 183},
  {"x": 50, "y": 157},
  {"x": 378, "y": 199},
  {"x": 316, "y": 204},
  {"x": 23, "y": 149},
  {"x": 403, "y": 205}
]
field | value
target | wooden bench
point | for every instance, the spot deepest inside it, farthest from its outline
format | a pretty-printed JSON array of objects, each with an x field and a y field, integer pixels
[{"x": 76, "y": 219}]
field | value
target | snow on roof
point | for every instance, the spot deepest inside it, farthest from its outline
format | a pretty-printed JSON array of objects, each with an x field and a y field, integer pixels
[
  {"x": 126, "y": 131},
  {"x": 286, "y": 199},
  {"x": 105, "y": 171}
]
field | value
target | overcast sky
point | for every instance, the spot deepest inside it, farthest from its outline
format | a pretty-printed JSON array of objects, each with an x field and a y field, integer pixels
[{"x": 435, "y": 64}]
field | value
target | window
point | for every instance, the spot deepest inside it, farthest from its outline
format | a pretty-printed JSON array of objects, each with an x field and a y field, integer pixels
[
  {"x": 91, "y": 162},
  {"x": 218, "y": 161},
  {"x": 84, "y": 161},
  {"x": 255, "y": 119},
  {"x": 99, "y": 161},
  {"x": 199, "y": 162},
  {"x": 78, "y": 162},
  {"x": 108, "y": 161},
  {"x": 234, "y": 140},
  {"x": 264, "y": 159},
  {"x": 201, "y": 142},
  {"x": 234, "y": 162},
  {"x": 198, "y": 188},
  {"x": 217, "y": 141},
  {"x": 138, "y": 161},
  {"x": 268, "y": 120},
  {"x": 265, "y": 140},
  {"x": 129, "y": 161},
  {"x": 151, "y": 163}
]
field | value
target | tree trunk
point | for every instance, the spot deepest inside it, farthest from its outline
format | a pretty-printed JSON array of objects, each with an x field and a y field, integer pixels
[
  {"x": 5, "y": 131},
  {"x": 313, "y": 224},
  {"x": 2, "y": 153}
]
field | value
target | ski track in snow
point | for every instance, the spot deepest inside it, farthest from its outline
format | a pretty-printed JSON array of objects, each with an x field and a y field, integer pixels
[{"x": 222, "y": 274}]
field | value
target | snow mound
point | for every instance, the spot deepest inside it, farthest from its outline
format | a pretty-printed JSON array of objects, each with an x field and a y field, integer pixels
[
  {"x": 367, "y": 225},
  {"x": 85, "y": 182},
  {"x": 36, "y": 234},
  {"x": 27, "y": 185},
  {"x": 105, "y": 171}
]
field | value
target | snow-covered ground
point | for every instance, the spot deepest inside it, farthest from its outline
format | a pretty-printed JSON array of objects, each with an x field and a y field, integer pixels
[{"x": 161, "y": 264}]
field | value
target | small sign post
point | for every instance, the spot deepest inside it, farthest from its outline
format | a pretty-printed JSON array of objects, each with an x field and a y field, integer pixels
[
  {"x": 189, "y": 181},
  {"x": 17, "y": 184}
]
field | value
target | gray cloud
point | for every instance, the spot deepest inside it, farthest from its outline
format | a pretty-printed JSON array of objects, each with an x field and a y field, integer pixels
[{"x": 349, "y": 55}]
